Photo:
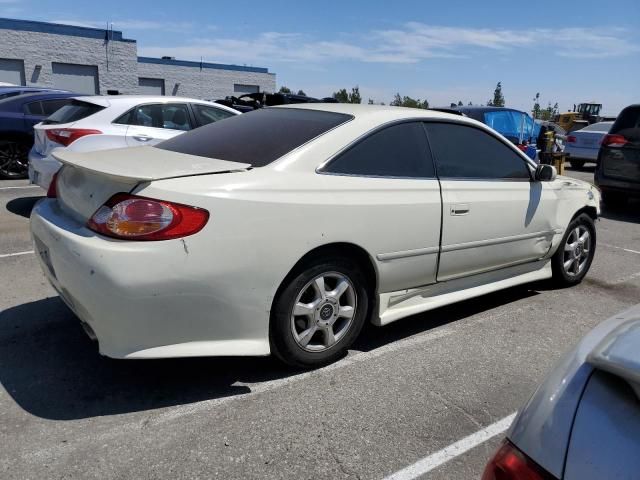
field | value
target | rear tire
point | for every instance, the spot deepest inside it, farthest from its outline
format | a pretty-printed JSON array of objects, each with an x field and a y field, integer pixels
[
  {"x": 319, "y": 312},
  {"x": 577, "y": 164},
  {"x": 14, "y": 160},
  {"x": 572, "y": 260}
]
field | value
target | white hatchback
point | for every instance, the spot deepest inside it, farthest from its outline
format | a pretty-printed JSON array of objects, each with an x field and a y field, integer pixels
[
  {"x": 285, "y": 229},
  {"x": 103, "y": 122}
]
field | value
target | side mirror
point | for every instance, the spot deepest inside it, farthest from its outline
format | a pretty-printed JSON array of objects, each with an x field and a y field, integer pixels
[{"x": 545, "y": 173}]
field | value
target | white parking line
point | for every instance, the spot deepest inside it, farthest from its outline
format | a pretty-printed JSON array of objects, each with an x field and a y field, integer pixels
[
  {"x": 5, "y": 255},
  {"x": 15, "y": 188},
  {"x": 620, "y": 248},
  {"x": 452, "y": 451}
]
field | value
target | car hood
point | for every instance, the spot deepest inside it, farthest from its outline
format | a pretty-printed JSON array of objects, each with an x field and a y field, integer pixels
[{"x": 543, "y": 427}]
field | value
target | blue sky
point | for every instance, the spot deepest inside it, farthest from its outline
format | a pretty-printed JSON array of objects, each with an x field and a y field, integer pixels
[{"x": 443, "y": 51}]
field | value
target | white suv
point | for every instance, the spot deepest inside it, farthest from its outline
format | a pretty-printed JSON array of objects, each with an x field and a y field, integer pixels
[{"x": 103, "y": 122}]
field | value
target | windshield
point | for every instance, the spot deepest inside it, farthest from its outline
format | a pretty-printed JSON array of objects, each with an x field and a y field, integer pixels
[{"x": 257, "y": 138}]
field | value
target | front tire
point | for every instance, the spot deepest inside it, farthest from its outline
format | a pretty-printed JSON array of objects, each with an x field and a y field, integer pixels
[
  {"x": 572, "y": 260},
  {"x": 319, "y": 313}
]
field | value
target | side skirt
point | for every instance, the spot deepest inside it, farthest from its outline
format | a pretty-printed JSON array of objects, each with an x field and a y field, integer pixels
[{"x": 396, "y": 305}]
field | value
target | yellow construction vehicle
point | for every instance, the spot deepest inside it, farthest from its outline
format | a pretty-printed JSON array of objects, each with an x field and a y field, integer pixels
[{"x": 585, "y": 114}]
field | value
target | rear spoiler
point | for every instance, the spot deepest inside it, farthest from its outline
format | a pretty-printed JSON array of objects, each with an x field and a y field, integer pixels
[{"x": 145, "y": 163}]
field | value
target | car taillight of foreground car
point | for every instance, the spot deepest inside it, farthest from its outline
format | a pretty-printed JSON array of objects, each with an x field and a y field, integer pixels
[
  {"x": 509, "y": 463},
  {"x": 131, "y": 217}
]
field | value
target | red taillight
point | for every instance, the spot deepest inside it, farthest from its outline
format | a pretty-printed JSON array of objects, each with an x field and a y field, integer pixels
[
  {"x": 66, "y": 136},
  {"x": 131, "y": 217},
  {"x": 571, "y": 139},
  {"x": 509, "y": 463},
  {"x": 52, "y": 191},
  {"x": 614, "y": 141}
]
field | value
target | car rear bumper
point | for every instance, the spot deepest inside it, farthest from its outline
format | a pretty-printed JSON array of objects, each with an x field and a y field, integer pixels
[
  {"x": 42, "y": 168},
  {"x": 615, "y": 185},
  {"x": 144, "y": 299},
  {"x": 580, "y": 153}
]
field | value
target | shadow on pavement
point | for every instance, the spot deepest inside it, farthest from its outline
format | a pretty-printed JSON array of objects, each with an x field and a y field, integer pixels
[
  {"x": 628, "y": 212},
  {"x": 22, "y": 206},
  {"x": 52, "y": 370}
]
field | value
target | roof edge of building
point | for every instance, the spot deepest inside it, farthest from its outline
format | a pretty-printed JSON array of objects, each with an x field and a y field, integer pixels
[
  {"x": 189, "y": 63},
  {"x": 63, "y": 29}
]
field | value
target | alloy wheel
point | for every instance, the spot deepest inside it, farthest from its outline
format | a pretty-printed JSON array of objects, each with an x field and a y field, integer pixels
[
  {"x": 323, "y": 312},
  {"x": 13, "y": 160},
  {"x": 576, "y": 251}
]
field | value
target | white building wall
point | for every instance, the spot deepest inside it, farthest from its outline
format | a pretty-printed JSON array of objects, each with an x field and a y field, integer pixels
[
  {"x": 116, "y": 62},
  {"x": 208, "y": 83}
]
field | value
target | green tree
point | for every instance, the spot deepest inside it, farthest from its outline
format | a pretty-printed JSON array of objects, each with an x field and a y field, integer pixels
[
  {"x": 460, "y": 103},
  {"x": 371, "y": 102},
  {"x": 537, "y": 111},
  {"x": 498, "y": 98},
  {"x": 343, "y": 96},
  {"x": 470, "y": 104},
  {"x": 301, "y": 92},
  {"x": 400, "y": 101},
  {"x": 284, "y": 89},
  {"x": 354, "y": 96}
]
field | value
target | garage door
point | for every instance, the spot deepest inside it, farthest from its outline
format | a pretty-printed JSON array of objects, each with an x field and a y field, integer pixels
[
  {"x": 76, "y": 78},
  {"x": 12, "y": 71},
  {"x": 150, "y": 86}
]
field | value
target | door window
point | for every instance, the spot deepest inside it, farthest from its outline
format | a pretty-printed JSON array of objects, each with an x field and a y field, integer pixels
[
  {"x": 397, "y": 151},
  {"x": 174, "y": 116},
  {"x": 206, "y": 114},
  {"x": 33, "y": 108},
  {"x": 467, "y": 152}
]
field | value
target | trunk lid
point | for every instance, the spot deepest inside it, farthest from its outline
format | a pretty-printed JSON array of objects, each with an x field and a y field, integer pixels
[
  {"x": 88, "y": 180},
  {"x": 588, "y": 139}
]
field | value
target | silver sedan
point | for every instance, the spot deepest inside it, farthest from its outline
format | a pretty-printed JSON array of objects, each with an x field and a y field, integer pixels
[{"x": 583, "y": 145}]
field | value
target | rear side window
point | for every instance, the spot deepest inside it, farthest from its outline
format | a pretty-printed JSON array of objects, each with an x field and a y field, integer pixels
[
  {"x": 72, "y": 112},
  {"x": 51, "y": 106},
  {"x": 173, "y": 116},
  {"x": 628, "y": 123},
  {"x": 257, "y": 138},
  {"x": 470, "y": 153},
  {"x": 206, "y": 114},
  {"x": 397, "y": 151}
]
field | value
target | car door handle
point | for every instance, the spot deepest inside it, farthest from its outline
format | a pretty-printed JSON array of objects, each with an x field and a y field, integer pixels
[
  {"x": 460, "y": 209},
  {"x": 143, "y": 138}
]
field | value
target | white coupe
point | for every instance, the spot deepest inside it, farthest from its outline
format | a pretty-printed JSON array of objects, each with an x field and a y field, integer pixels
[{"x": 285, "y": 229}]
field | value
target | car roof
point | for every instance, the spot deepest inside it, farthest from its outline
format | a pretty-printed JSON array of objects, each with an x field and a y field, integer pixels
[
  {"x": 360, "y": 110},
  {"x": 19, "y": 100},
  {"x": 124, "y": 101}
]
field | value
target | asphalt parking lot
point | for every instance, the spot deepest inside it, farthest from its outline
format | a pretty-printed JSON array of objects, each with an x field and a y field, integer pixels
[{"x": 405, "y": 392}]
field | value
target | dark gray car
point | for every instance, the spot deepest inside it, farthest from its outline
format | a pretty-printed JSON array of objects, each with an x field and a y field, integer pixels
[{"x": 618, "y": 167}]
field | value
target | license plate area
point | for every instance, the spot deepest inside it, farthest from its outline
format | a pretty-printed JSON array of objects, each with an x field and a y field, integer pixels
[{"x": 43, "y": 252}]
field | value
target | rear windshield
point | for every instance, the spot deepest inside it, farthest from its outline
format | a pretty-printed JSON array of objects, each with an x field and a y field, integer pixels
[
  {"x": 628, "y": 123},
  {"x": 257, "y": 138},
  {"x": 598, "y": 127},
  {"x": 73, "y": 112}
]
